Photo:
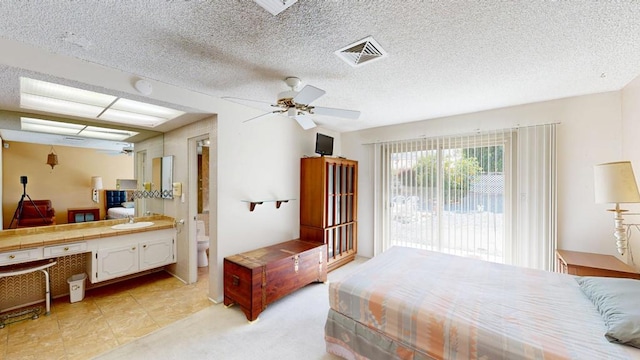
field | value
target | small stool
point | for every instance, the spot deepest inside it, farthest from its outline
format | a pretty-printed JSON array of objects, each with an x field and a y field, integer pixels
[{"x": 25, "y": 268}]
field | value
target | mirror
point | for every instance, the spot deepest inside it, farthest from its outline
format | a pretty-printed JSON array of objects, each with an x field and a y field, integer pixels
[
  {"x": 162, "y": 177},
  {"x": 149, "y": 174},
  {"x": 203, "y": 176},
  {"x": 25, "y": 154},
  {"x": 167, "y": 177},
  {"x": 156, "y": 174}
]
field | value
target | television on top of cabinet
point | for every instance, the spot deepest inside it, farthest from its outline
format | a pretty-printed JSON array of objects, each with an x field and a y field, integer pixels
[{"x": 324, "y": 144}]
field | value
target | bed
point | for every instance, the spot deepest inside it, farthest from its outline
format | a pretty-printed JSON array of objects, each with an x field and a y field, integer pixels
[
  {"x": 415, "y": 304},
  {"x": 119, "y": 204}
]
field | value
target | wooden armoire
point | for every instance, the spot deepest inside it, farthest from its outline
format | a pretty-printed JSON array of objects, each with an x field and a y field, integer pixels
[{"x": 329, "y": 206}]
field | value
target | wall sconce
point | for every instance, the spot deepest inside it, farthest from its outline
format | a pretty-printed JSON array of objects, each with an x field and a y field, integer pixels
[
  {"x": 96, "y": 184},
  {"x": 52, "y": 158},
  {"x": 616, "y": 184}
]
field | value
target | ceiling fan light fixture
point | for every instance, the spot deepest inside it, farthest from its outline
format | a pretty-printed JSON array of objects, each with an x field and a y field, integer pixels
[
  {"x": 293, "y": 82},
  {"x": 286, "y": 97}
]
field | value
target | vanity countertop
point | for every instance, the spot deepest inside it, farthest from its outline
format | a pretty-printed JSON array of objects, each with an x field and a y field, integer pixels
[{"x": 24, "y": 238}]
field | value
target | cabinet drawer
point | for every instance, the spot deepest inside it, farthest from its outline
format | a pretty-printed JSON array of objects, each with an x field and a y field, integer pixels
[
  {"x": 19, "y": 256},
  {"x": 65, "y": 249}
]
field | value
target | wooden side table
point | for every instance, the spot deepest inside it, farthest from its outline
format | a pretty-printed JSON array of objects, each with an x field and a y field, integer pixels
[
  {"x": 82, "y": 215},
  {"x": 589, "y": 264}
]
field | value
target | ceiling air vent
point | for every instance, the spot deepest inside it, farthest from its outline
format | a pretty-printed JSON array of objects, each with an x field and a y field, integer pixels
[
  {"x": 361, "y": 52},
  {"x": 275, "y": 7}
]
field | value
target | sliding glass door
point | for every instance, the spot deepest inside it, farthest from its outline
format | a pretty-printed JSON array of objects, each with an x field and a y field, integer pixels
[{"x": 456, "y": 195}]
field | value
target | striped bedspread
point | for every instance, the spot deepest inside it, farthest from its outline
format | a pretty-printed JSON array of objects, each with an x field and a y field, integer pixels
[{"x": 449, "y": 307}]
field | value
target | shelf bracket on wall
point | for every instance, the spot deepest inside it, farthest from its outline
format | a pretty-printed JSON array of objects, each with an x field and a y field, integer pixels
[{"x": 252, "y": 204}]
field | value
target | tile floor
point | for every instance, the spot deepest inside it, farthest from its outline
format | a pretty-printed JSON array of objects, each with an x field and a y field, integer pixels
[{"x": 106, "y": 318}]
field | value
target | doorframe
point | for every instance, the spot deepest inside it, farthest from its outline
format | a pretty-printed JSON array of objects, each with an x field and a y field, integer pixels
[
  {"x": 140, "y": 158},
  {"x": 193, "y": 205}
]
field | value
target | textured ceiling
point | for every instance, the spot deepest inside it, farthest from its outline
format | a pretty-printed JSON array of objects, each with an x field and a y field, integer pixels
[{"x": 444, "y": 57}]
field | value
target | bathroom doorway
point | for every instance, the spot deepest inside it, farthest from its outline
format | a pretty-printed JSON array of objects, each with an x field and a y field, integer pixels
[{"x": 202, "y": 218}]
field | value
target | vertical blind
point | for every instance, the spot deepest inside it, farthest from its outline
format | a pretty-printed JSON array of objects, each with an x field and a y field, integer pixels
[{"x": 486, "y": 195}]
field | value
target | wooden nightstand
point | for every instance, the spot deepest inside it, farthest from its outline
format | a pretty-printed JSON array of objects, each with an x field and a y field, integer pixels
[
  {"x": 589, "y": 264},
  {"x": 83, "y": 215}
]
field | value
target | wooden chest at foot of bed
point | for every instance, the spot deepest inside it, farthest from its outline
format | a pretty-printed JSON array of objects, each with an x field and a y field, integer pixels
[{"x": 259, "y": 277}]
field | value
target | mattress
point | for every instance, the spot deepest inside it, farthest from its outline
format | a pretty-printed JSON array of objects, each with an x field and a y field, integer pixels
[
  {"x": 418, "y": 304},
  {"x": 120, "y": 212}
]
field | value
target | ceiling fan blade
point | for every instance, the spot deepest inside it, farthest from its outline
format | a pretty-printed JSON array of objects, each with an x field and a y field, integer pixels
[
  {"x": 305, "y": 121},
  {"x": 348, "y": 114},
  {"x": 308, "y": 94},
  {"x": 241, "y": 100},
  {"x": 110, "y": 152},
  {"x": 259, "y": 116}
]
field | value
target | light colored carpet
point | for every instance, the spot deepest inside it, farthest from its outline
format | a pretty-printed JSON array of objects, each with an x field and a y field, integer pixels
[{"x": 290, "y": 328}]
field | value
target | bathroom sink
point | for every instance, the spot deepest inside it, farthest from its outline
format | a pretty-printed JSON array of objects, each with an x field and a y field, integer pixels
[{"x": 128, "y": 226}]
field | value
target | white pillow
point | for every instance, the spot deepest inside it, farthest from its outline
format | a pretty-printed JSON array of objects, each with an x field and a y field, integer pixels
[
  {"x": 617, "y": 302},
  {"x": 128, "y": 204}
]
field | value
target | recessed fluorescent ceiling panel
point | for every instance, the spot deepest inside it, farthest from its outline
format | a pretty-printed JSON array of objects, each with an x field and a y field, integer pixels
[
  {"x": 62, "y": 128},
  {"x": 66, "y": 100}
]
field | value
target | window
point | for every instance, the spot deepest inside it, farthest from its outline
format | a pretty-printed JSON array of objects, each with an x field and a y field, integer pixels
[{"x": 457, "y": 195}]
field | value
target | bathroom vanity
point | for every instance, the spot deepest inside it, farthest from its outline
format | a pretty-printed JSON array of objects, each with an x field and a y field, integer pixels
[{"x": 105, "y": 250}]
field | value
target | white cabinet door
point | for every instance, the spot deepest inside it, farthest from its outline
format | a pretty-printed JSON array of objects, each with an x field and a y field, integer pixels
[
  {"x": 156, "y": 253},
  {"x": 125, "y": 255},
  {"x": 117, "y": 261}
]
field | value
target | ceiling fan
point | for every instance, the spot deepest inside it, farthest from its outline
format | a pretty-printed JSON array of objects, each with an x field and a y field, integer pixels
[
  {"x": 296, "y": 104},
  {"x": 127, "y": 150}
]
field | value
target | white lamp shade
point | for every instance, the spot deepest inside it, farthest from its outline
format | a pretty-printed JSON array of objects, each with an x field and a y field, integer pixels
[
  {"x": 615, "y": 183},
  {"x": 96, "y": 182}
]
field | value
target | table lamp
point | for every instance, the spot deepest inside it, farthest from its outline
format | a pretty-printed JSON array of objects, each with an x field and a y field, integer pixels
[
  {"x": 96, "y": 184},
  {"x": 616, "y": 184}
]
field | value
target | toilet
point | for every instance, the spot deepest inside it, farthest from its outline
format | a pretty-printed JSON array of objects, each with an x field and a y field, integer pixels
[{"x": 203, "y": 244}]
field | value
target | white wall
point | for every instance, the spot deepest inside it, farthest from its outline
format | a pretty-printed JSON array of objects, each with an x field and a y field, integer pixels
[
  {"x": 631, "y": 151},
  {"x": 176, "y": 144},
  {"x": 258, "y": 161},
  {"x": 589, "y": 132}
]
